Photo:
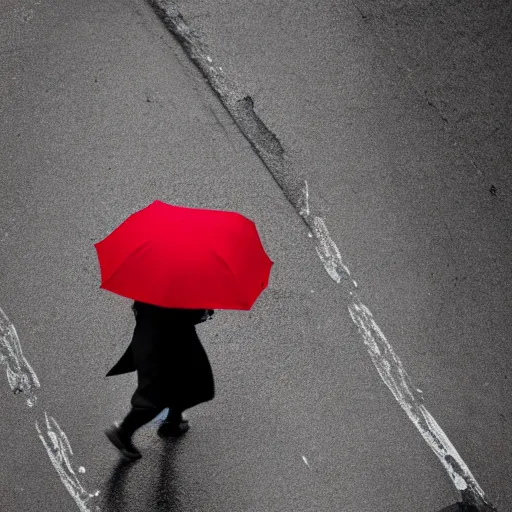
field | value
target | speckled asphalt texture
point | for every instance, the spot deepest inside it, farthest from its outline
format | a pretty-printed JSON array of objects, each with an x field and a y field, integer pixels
[{"x": 398, "y": 117}]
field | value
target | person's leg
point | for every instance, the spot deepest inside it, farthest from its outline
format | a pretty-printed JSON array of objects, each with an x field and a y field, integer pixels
[
  {"x": 175, "y": 416},
  {"x": 174, "y": 425},
  {"x": 136, "y": 418},
  {"x": 121, "y": 436}
]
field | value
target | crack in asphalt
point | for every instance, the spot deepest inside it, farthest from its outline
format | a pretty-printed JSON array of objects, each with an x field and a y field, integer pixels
[{"x": 238, "y": 104}]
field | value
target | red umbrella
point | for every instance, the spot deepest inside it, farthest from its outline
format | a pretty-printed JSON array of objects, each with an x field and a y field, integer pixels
[{"x": 189, "y": 258}]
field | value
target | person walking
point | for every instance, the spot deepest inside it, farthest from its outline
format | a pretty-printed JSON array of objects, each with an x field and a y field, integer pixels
[
  {"x": 173, "y": 371},
  {"x": 172, "y": 260}
]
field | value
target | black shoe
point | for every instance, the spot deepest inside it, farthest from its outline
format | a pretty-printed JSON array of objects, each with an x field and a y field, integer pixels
[
  {"x": 168, "y": 429},
  {"x": 125, "y": 446}
]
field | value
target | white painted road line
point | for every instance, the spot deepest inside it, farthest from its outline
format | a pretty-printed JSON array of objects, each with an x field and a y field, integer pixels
[
  {"x": 59, "y": 450},
  {"x": 22, "y": 379},
  {"x": 389, "y": 366},
  {"x": 20, "y": 375}
]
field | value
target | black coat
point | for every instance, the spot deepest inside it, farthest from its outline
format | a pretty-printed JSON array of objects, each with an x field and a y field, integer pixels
[{"x": 172, "y": 367}]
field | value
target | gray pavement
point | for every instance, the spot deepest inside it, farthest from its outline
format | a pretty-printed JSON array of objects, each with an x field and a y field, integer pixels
[{"x": 102, "y": 113}]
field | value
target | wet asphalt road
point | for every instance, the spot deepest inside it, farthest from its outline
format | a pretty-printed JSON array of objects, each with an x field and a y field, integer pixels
[{"x": 398, "y": 119}]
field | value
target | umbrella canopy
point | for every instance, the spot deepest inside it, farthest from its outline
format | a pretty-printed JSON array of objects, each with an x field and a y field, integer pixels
[{"x": 190, "y": 258}]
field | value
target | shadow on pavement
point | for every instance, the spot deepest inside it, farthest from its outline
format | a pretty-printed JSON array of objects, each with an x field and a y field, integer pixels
[
  {"x": 166, "y": 495},
  {"x": 115, "y": 500}
]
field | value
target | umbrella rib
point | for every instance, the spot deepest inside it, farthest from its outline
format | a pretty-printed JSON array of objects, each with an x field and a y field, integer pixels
[
  {"x": 230, "y": 270},
  {"x": 139, "y": 249},
  {"x": 224, "y": 262}
]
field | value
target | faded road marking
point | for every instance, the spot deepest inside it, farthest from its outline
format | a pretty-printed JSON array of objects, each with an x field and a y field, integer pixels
[
  {"x": 20, "y": 375},
  {"x": 392, "y": 372},
  {"x": 22, "y": 379},
  {"x": 59, "y": 450},
  {"x": 306, "y": 461},
  {"x": 390, "y": 367}
]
